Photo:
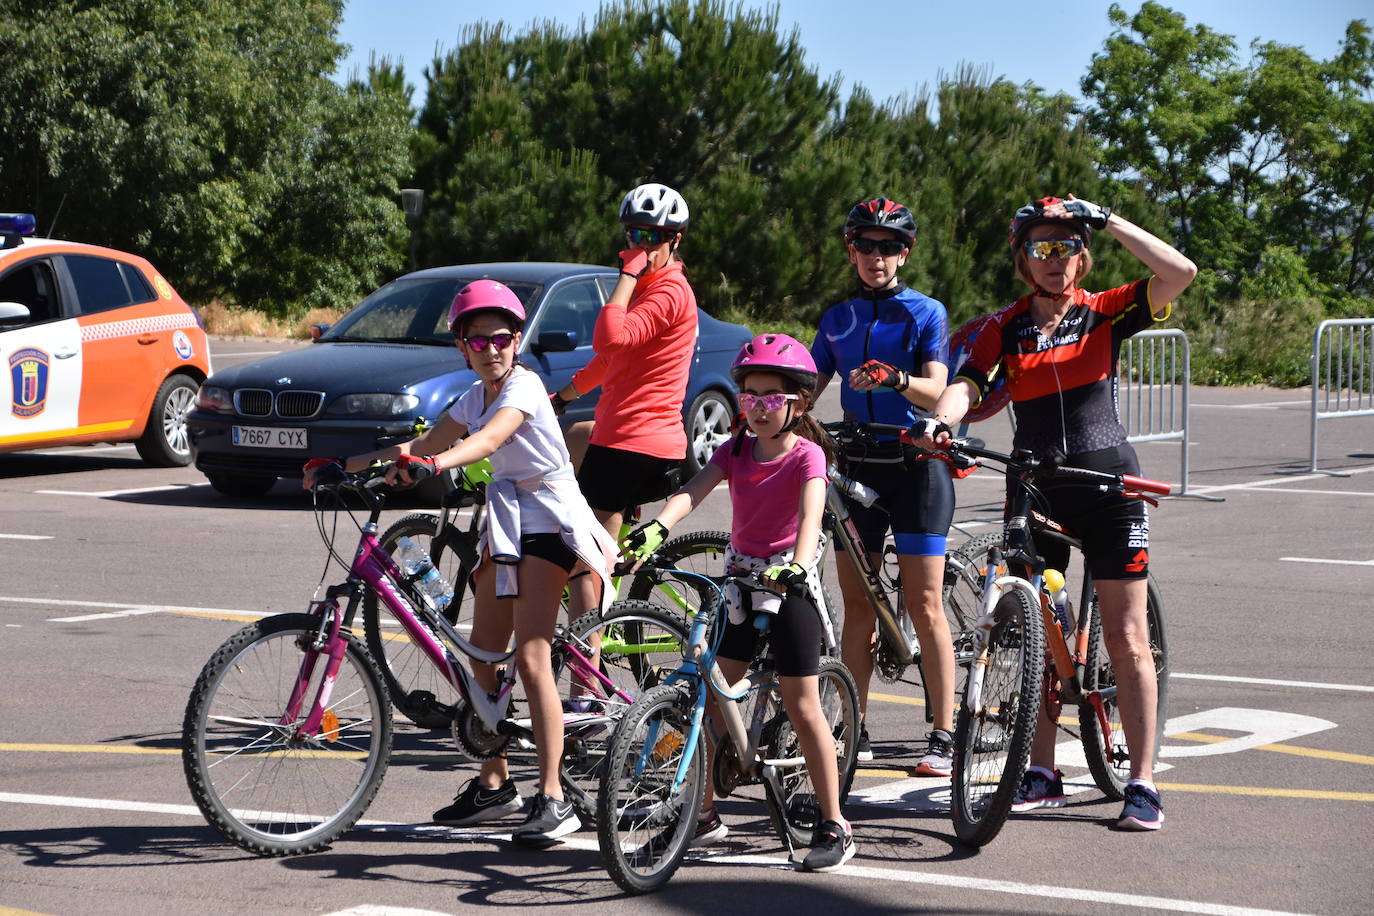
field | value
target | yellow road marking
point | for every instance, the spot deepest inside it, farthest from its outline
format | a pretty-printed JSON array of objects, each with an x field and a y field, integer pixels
[
  {"x": 1271, "y": 793},
  {"x": 1342, "y": 756},
  {"x": 215, "y": 615},
  {"x": 893, "y": 698},
  {"x": 166, "y": 751}
]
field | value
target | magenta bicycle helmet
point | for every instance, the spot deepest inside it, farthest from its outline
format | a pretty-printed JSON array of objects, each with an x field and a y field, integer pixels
[
  {"x": 1033, "y": 214},
  {"x": 880, "y": 213},
  {"x": 775, "y": 353},
  {"x": 484, "y": 295}
]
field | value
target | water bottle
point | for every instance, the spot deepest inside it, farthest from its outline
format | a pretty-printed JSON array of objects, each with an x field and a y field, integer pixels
[
  {"x": 415, "y": 563},
  {"x": 1059, "y": 599}
]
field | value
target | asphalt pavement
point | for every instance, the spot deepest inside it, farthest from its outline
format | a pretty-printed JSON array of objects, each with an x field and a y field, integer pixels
[{"x": 118, "y": 582}]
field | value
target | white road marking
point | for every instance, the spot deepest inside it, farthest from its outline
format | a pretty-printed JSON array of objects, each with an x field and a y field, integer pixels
[
  {"x": 1278, "y": 481},
  {"x": 1319, "y": 492},
  {"x": 1258, "y": 727},
  {"x": 127, "y": 606},
  {"x": 106, "y": 494},
  {"x": 903, "y": 876},
  {"x": 1260, "y": 406},
  {"x": 27, "y": 537},
  {"x": 1316, "y": 685},
  {"x": 127, "y": 612},
  {"x": 1332, "y": 562}
]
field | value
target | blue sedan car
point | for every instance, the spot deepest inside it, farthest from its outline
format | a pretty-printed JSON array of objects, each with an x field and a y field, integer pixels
[{"x": 366, "y": 381}]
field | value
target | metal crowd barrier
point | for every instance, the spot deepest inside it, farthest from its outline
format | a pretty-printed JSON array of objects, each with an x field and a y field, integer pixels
[
  {"x": 1153, "y": 389},
  {"x": 1342, "y": 372}
]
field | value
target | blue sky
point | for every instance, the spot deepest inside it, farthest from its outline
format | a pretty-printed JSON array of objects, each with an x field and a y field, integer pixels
[{"x": 889, "y": 46}]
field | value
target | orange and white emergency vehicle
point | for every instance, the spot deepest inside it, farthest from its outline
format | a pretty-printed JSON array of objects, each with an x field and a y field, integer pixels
[{"x": 95, "y": 346}]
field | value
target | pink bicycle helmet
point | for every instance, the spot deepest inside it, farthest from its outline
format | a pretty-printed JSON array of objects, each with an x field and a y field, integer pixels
[
  {"x": 481, "y": 296},
  {"x": 775, "y": 353}
]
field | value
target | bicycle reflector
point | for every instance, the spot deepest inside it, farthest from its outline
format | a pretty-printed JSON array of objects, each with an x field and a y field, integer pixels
[{"x": 15, "y": 225}]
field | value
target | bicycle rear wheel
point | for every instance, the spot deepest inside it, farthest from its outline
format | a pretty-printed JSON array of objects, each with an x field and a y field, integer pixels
[
  {"x": 992, "y": 736},
  {"x": 801, "y": 810},
  {"x": 639, "y": 645},
  {"x": 257, "y": 783},
  {"x": 412, "y": 680},
  {"x": 963, "y": 592},
  {"x": 644, "y": 823},
  {"x": 701, "y": 552},
  {"x": 1111, "y": 768}
]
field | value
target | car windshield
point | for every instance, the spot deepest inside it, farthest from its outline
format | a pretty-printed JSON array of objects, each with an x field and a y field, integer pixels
[{"x": 411, "y": 310}]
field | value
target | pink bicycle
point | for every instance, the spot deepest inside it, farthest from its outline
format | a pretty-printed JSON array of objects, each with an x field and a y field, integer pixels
[{"x": 287, "y": 733}]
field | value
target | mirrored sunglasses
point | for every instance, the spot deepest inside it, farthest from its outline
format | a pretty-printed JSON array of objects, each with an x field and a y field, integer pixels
[
  {"x": 636, "y": 235},
  {"x": 885, "y": 247},
  {"x": 1053, "y": 248},
  {"x": 749, "y": 401},
  {"x": 479, "y": 342}
]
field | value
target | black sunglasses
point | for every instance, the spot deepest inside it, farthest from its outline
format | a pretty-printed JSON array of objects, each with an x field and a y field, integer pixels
[{"x": 885, "y": 247}]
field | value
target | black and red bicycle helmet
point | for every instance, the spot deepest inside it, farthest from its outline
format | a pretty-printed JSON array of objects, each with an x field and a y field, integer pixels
[
  {"x": 880, "y": 213},
  {"x": 1033, "y": 214}
]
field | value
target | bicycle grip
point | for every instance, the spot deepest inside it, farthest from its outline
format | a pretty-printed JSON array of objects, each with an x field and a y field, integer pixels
[{"x": 1146, "y": 486}]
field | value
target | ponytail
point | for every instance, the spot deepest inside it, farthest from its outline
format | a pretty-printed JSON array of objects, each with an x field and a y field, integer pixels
[{"x": 809, "y": 429}]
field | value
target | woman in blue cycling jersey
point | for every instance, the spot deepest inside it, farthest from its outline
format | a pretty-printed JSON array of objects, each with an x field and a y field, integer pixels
[{"x": 889, "y": 345}]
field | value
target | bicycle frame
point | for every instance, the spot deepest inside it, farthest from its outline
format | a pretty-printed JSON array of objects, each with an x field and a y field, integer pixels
[
  {"x": 700, "y": 656},
  {"x": 374, "y": 568}
]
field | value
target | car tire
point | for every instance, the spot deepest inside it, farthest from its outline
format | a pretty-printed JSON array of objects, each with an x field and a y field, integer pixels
[
  {"x": 241, "y": 485},
  {"x": 708, "y": 426},
  {"x": 166, "y": 441}
]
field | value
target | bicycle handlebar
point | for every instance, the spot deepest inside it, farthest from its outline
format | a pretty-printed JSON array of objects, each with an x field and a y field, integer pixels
[{"x": 1123, "y": 483}]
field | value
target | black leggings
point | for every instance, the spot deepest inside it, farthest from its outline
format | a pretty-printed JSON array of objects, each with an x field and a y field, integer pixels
[{"x": 795, "y": 633}]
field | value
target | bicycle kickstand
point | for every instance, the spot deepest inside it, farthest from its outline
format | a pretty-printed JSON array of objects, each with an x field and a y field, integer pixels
[{"x": 777, "y": 810}]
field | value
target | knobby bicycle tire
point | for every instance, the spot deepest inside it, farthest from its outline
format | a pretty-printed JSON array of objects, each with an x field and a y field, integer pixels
[
  {"x": 257, "y": 786},
  {"x": 408, "y": 672},
  {"x": 1111, "y": 772},
  {"x": 992, "y": 742},
  {"x": 962, "y": 594},
  {"x": 644, "y": 827},
  {"x": 696, "y": 551},
  {"x": 801, "y": 812},
  {"x": 639, "y": 645}
]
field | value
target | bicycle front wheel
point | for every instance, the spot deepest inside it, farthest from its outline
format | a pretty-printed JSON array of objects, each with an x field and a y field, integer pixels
[
  {"x": 257, "y": 781},
  {"x": 992, "y": 736},
  {"x": 645, "y": 818},
  {"x": 801, "y": 810},
  {"x": 1108, "y": 758},
  {"x": 411, "y": 678},
  {"x": 634, "y": 644}
]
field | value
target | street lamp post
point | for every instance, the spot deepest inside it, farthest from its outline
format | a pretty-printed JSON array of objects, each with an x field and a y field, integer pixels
[{"x": 413, "y": 203}]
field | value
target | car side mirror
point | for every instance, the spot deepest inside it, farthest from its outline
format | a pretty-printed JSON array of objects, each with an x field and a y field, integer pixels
[
  {"x": 317, "y": 331},
  {"x": 556, "y": 342},
  {"x": 14, "y": 313}
]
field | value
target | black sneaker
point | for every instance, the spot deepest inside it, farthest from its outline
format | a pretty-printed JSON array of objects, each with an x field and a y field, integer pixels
[
  {"x": 831, "y": 847},
  {"x": 865, "y": 749},
  {"x": 477, "y": 803},
  {"x": 550, "y": 818}
]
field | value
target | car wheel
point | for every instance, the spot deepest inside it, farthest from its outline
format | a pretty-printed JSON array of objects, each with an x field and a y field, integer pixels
[
  {"x": 166, "y": 442},
  {"x": 708, "y": 426},
  {"x": 243, "y": 485}
]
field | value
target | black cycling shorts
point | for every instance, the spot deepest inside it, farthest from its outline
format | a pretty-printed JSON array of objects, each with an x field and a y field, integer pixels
[
  {"x": 548, "y": 546},
  {"x": 795, "y": 633},
  {"x": 1115, "y": 531},
  {"x": 915, "y": 500},
  {"x": 613, "y": 479}
]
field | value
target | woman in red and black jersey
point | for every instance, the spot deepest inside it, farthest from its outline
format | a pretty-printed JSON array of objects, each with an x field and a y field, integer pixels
[{"x": 1058, "y": 350}]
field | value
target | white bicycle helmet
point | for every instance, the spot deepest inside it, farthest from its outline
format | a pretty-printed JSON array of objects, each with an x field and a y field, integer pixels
[{"x": 654, "y": 205}]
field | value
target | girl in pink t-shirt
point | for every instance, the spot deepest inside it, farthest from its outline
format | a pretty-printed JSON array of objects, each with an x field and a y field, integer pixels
[{"x": 777, "y": 478}]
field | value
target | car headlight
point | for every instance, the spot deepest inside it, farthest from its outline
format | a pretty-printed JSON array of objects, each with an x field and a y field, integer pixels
[
  {"x": 214, "y": 398},
  {"x": 374, "y": 405}
]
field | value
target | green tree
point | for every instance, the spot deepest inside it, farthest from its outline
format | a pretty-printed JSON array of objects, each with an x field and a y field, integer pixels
[{"x": 207, "y": 136}]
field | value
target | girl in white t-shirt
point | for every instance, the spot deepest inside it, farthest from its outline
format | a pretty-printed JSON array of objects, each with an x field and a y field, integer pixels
[{"x": 538, "y": 529}]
